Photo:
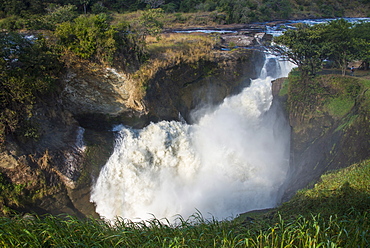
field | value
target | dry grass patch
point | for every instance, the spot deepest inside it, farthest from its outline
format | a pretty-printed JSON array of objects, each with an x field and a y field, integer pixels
[{"x": 171, "y": 50}]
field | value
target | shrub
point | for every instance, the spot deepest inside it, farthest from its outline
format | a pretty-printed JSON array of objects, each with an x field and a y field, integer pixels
[
  {"x": 13, "y": 23},
  {"x": 27, "y": 72},
  {"x": 89, "y": 37}
]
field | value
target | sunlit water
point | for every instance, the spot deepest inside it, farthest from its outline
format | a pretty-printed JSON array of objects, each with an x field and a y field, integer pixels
[{"x": 234, "y": 159}]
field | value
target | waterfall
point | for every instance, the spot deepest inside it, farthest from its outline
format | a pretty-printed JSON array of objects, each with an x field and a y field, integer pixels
[{"x": 232, "y": 160}]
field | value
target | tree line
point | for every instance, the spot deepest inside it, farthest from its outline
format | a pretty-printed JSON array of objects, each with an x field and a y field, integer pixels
[
  {"x": 235, "y": 11},
  {"x": 337, "y": 41}
]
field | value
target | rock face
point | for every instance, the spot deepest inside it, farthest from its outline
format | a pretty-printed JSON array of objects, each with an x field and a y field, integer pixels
[
  {"x": 322, "y": 140},
  {"x": 245, "y": 39},
  {"x": 46, "y": 166},
  {"x": 182, "y": 88},
  {"x": 95, "y": 93},
  {"x": 74, "y": 125}
]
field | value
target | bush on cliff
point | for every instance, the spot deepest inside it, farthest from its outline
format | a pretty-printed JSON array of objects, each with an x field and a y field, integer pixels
[
  {"x": 92, "y": 37},
  {"x": 28, "y": 70}
]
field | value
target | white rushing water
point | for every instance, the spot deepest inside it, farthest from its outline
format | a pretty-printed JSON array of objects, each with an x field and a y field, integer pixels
[{"x": 234, "y": 159}]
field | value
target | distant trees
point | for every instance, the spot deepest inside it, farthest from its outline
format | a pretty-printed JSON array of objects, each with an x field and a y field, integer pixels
[
  {"x": 236, "y": 11},
  {"x": 338, "y": 41}
]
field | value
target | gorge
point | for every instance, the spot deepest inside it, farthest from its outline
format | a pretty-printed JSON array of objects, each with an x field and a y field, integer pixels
[
  {"x": 233, "y": 158},
  {"x": 199, "y": 145}
]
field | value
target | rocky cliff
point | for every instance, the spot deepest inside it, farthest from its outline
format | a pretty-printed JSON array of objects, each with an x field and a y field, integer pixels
[
  {"x": 182, "y": 88},
  {"x": 329, "y": 116},
  {"x": 54, "y": 172}
]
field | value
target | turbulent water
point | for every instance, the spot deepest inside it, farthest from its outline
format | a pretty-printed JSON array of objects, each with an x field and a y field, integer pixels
[{"x": 232, "y": 160}]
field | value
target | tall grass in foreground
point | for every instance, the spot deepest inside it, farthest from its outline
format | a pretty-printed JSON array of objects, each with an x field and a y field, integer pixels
[
  {"x": 347, "y": 231},
  {"x": 335, "y": 213}
]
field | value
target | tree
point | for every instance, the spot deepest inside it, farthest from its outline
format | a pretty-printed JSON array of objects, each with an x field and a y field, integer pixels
[
  {"x": 361, "y": 33},
  {"x": 341, "y": 45},
  {"x": 338, "y": 41},
  {"x": 303, "y": 46},
  {"x": 150, "y": 24},
  {"x": 84, "y": 4}
]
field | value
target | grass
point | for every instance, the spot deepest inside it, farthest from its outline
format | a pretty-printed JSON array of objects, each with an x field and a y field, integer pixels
[
  {"x": 314, "y": 231},
  {"x": 339, "y": 106},
  {"x": 336, "y": 193},
  {"x": 335, "y": 213}
]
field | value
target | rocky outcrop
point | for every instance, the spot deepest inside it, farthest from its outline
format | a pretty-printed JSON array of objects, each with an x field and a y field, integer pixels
[
  {"x": 182, "y": 88},
  {"x": 322, "y": 139},
  {"x": 245, "y": 39},
  {"x": 47, "y": 166},
  {"x": 98, "y": 93}
]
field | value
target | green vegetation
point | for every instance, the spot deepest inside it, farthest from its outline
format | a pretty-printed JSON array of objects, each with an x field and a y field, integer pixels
[
  {"x": 88, "y": 37},
  {"x": 222, "y": 11},
  {"x": 338, "y": 41},
  {"x": 333, "y": 214},
  {"x": 331, "y": 94},
  {"x": 15, "y": 196},
  {"x": 11, "y": 195},
  {"x": 28, "y": 70},
  {"x": 336, "y": 193}
]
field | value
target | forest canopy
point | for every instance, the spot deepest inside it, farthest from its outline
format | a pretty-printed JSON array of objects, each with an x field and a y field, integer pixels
[{"x": 236, "y": 11}]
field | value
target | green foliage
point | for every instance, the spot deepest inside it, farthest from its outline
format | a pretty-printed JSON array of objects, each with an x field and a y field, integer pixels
[
  {"x": 27, "y": 72},
  {"x": 149, "y": 22},
  {"x": 362, "y": 42},
  {"x": 12, "y": 23},
  {"x": 58, "y": 14},
  {"x": 284, "y": 88},
  {"x": 89, "y": 37},
  {"x": 336, "y": 194},
  {"x": 98, "y": 8},
  {"x": 236, "y": 10},
  {"x": 331, "y": 94},
  {"x": 339, "y": 106},
  {"x": 304, "y": 47},
  {"x": 338, "y": 41},
  {"x": 10, "y": 195},
  {"x": 313, "y": 231},
  {"x": 341, "y": 97}
]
